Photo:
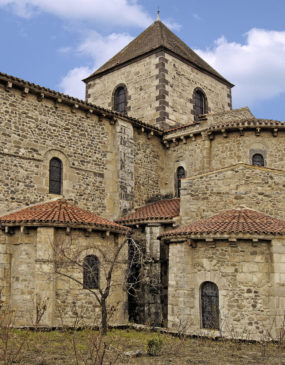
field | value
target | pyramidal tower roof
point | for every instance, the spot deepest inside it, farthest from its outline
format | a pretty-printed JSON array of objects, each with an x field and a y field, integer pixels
[{"x": 156, "y": 37}]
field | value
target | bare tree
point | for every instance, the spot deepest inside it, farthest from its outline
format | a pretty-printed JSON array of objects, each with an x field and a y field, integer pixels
[{"x": 99, "y": 268}]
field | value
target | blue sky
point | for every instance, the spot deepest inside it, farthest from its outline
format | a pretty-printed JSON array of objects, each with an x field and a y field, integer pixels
[{"x": 56, "y": 43}]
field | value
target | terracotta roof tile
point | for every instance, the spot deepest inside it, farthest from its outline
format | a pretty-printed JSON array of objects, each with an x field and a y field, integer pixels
[
  {"x": 62, "y": 213},
  {"x": 155, "y": 36},
  {"x": 253, "y": 122},
  {"x": 161, "y": 210},
  {"x": 233, "y": 222}
]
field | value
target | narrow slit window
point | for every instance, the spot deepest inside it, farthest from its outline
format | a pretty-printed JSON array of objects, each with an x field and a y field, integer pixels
[
  {"x": 120, "y": 100},
  {"x": 55, "y": 176},
  {"x": 180, "y": 174},
  {"x": 200, "y": 104},
  {"x": 210, "y": 305},
  {"x": 91, "y": 272}
]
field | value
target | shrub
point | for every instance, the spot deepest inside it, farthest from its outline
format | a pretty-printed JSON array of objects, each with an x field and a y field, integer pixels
[{"x": 154, "y": 346}]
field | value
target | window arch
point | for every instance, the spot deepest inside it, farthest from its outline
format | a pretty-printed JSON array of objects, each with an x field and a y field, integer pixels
[
  {"x": 91, "y": 272},
  {"x": 210, "y": 305},
  {"x": 55, "y": 176},
  {"x": 257, "y": 159},
  {"x": 120, "y": 99},
  {"x": 200, "y": 103},
  {"x": 180, "y": 174}
]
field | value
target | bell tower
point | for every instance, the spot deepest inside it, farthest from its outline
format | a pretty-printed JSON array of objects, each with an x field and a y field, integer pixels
[{"x": 162, "y": 81}]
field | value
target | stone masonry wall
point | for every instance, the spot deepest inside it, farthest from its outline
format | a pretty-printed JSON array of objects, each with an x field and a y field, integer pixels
[
  {"x": 150, "y": 177},
  {"x": 242, "y": 273},
  {"x": 28, "y": 279},
  {"x": 31, "y": 133},
  {"x": 240, "y": 185},
  {"x": 182, "y": 81},
  {"x": 71, "y": 299},
  {"x": 201, "y": 155},
  {"x": 160, "y": 90},
  {"x": 140, "y": 80}
]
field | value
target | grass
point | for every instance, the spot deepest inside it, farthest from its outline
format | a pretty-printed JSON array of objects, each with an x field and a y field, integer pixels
[{"x": 58, "y": 347}]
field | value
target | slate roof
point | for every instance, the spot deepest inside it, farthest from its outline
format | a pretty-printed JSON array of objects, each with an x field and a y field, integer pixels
[
  {"x": 59, "y": 212},
  {"x": 162, "y": 210},
  {"x": 232, "y": 222},
  {"x": 156, "y": 36}
]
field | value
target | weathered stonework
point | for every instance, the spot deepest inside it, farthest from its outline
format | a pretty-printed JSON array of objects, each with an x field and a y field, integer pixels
[
  {"x": 160, "y": 88},
  {"x": 141, "y": 82},
  {"x": 243, "y": 273},
  {"x": 113, "y": 163},
  {"x": 30, "y": 279},
  {"x": 239, "y": 185}
]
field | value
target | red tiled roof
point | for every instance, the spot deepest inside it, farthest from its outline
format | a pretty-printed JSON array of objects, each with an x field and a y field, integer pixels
[
  {"x": 233, "y": 221},
  {"x": 62, "y": 213},
  {"x": 161, "y": 210}
]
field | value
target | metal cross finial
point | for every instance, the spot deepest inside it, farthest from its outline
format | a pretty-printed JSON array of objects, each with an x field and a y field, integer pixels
[{"x": 158, "y": 14}]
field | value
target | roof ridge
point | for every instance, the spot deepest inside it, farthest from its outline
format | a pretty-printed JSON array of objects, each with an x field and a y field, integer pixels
[{"x": 156, "y": 36}]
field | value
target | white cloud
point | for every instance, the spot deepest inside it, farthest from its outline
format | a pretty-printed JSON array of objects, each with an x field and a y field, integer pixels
[
  {"x": 172, "y": 25},
  {"x": 119, "y": 12},
  {"x": 72, "y": 85},
  {"x": 100, "y": 49},
  {"x": 257, "y": 67}
]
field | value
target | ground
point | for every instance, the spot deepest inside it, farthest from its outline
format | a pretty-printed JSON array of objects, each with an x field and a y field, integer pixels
[{"x": 76, "y": 347}]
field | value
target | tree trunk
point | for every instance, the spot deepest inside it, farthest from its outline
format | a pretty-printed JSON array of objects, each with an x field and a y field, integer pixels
[{"x": 104, "y": 324}]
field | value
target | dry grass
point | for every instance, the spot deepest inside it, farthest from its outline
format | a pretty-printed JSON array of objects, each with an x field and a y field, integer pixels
[{"x": 58, "y": 347}]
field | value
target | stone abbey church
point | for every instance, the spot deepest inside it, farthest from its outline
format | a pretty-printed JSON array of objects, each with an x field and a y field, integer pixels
[{"x": 157, "y": 149}]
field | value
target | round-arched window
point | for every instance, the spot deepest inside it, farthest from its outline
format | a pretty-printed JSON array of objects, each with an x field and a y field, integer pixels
[
  {"x": 120, "y": 100},
  {"x": 210, "y": 305},
  {"x": 257, "y": 160},
  {"x": 200, "y": 104},
  {"x": 180, "y": 174},
  {"x": 55, "y": 176}
]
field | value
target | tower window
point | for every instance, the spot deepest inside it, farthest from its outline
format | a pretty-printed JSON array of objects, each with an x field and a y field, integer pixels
[
  {"x": 257, "y": 160},
  {"x": 55, "y": 176},
  {"x": 120, "y": 99},
  {"x": 200, "y": 103},
  {"x": 91, "y": 272},
  {"x": 180, "y": 174},
  {"x": 210, "y": 305}
]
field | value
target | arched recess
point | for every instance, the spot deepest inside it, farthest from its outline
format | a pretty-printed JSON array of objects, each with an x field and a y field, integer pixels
[
  {"x": 258, "y": 156},
  {"x": 210, "y": 313},
  {"x": 200, "y": 103},
  {"x": 120, "y": 99}
]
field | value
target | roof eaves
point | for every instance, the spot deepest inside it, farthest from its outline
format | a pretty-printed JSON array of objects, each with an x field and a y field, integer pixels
[
  {"x": 143, "y": 221},
  {"x": 210, "y": 237},
  {"x": 96, "y": 227},
  {"x": 71, "y": 101}
]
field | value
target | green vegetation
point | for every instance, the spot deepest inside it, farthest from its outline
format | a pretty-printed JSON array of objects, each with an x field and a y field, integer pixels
[{"x": 88, "y": 347}]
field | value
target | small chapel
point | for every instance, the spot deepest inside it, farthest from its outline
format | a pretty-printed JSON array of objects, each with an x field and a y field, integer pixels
[{"x": 155, "y": 155}]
